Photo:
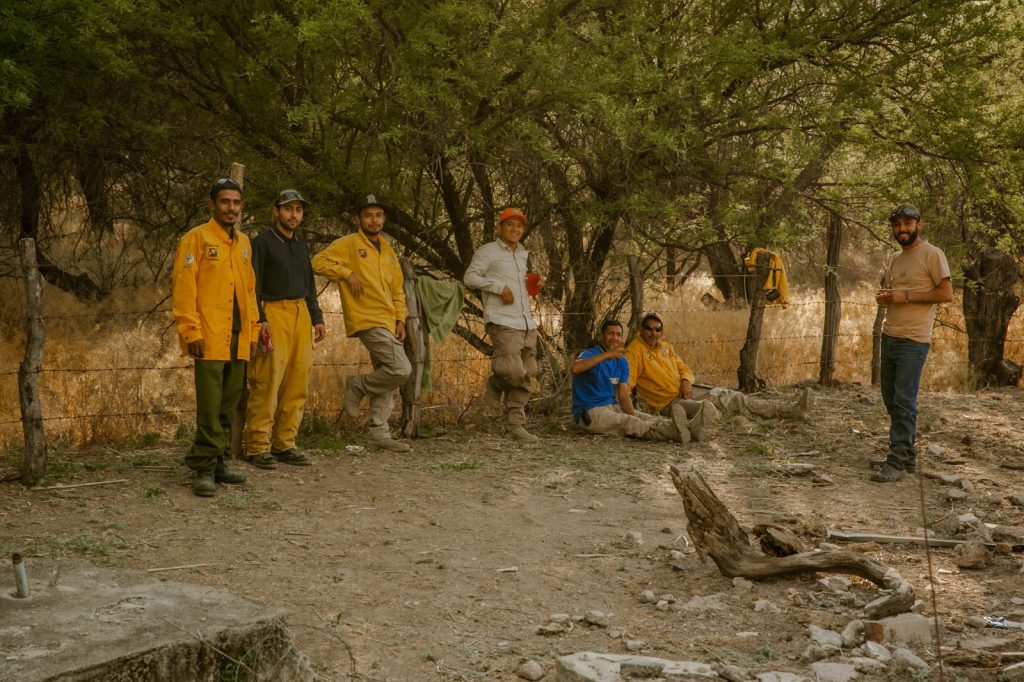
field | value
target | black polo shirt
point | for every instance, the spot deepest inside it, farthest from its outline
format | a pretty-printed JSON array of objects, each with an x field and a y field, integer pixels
[{"x": 283, "y": 272}]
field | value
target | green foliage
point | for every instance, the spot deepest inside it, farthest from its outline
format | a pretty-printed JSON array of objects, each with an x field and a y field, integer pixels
[{"x": 155, "y": 493}]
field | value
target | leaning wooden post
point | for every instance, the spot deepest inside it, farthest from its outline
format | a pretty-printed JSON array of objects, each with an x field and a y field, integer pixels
[
  {"x": 876, "y": 342},
  {"x": 33, "y": 464},
  {"x": 636, "y": 295},
  {"x": 747, "y": 371},
  {"x": 238, "y": 420},
  {"x": 833, "y": 302},
  {"x": 416, "y": 349}
]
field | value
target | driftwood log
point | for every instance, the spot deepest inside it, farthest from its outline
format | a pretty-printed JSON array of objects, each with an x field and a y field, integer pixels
[{"x": 716, "y": 533}]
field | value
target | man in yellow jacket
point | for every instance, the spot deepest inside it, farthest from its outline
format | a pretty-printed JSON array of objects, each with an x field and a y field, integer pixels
[
  {"x": 662, "y": 379},
  {"x": 213, "y": 296},
  {"x": 370, "y": 283}
]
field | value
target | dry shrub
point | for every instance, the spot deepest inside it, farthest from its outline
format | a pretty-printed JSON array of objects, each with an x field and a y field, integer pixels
[{"x": 113, "y": 373}]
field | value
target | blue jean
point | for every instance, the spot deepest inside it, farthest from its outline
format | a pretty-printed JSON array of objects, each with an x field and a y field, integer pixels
[{"x": 902, "y": 362}]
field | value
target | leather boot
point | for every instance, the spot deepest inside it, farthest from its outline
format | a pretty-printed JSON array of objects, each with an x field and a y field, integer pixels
[
  {"x": 222, "y": 475},
  {"x": 204, "y": 485},
  {"x": 680, "y": 423}
]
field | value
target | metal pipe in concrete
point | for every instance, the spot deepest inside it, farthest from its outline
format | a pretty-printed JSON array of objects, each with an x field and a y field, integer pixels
[{"x": 20, "y": 577}]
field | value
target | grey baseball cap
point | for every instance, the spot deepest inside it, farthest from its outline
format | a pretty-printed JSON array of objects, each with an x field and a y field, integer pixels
[
  {"x": 286, "y": 196},
  {"x": 908, "y": 210}
]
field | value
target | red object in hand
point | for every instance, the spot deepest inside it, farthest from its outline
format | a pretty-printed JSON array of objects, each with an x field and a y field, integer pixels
[
  {"x": 266, "y": 342},
  {"x": 532, "y": 283}
]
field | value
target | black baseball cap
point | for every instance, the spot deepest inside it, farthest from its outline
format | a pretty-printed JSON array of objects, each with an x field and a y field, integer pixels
[
  {"x": 366, "y": 201},
  {"x": 908, "y": 210},
  {"x": 221, "y": 185},
  {"x": 286, "y": 196}
]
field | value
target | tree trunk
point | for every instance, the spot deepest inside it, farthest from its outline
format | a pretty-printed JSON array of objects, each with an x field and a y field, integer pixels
[
  {"x": 833, "y": 302},
  {"x": 725, "y": 271},
  {"x": 33, "y": 463},
  {"x": 989, "y": 303},
  {"x": 416, "y": 348},
  {"x": 716, "y": 533},
  {"x": 747, "y": 372},
  {"x": 636, "y": 296}
]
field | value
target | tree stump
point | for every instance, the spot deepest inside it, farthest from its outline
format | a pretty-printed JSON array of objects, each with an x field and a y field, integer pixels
[{"x": 716, "y": 533}]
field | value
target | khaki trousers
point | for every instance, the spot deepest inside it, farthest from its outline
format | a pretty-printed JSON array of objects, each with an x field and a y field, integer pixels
[
  {"x": 610, "y": 420},
  {"x": 279, "y": 380},
  {"x": 513, "y": 366},
  {"x": 391, "y": 369}
]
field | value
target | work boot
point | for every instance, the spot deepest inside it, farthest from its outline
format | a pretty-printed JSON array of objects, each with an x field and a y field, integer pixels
[
  {"x": 204, "y": 485},
  {"x": 388, "y": 443},
  {"x": 492, "y": 399},
  {"x": 292, "y": 457},
  {"x": 353, "y": 394},
  {"x": 262, "y": 461},
  {"x": 800, "y": 409},
  {"x": 223, "y": 475},
  {"x": 520, "y": 434},
  {"x": 680, "y": 422}
]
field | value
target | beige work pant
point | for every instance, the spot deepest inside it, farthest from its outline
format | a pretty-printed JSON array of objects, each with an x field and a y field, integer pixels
[
  {"x": 610, "y": 420},
  {"x": 513, "y": 366},
  {"x": 279, "y": 380},
  {"x": 391, "y": 369}
]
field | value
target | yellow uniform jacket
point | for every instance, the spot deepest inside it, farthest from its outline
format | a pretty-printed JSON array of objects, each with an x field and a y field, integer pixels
[
  {"x": 656, "y": 373},
  {"x": 210, "y": 269},
  {"x": 383, "y": 300}
]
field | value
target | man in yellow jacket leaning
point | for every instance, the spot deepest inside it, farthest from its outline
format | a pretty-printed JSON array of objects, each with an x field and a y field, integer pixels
[
  {"x": 370, "y": 283},
  {"x": 213, "y": 294}
]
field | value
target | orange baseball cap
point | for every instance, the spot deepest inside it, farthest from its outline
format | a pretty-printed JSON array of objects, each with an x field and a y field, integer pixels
[{"x": 512, "y": 213}]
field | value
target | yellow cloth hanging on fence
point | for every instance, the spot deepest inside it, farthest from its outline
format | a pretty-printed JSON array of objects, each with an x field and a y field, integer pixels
[{"x": 776, "y": 279}]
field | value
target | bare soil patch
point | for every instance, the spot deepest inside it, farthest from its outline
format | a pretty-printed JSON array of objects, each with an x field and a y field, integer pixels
[{"x": 441, "y": 564}]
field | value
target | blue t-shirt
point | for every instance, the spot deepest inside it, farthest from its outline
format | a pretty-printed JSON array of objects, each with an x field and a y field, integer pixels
[{"x": 597, "y": 386}]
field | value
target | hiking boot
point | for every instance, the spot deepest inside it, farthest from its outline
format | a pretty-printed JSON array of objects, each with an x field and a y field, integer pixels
[
  {"x": 492, "y": 399},
  {"x": 696, "y": 422},
  {"x": 888, "y": 474},
  {"x": 292, "y": 457},
  {"x": 802, "y": 408},
  {"x": 910, "y": 467},
  {"x": 353, "y": 394},
  {"x": 520, "y": 434},
  {"x": 388, "y": 444},
  {"x": 681, "y": 423},
  {"x": 223, "y": 475},
  {"x": 204, "y": 485},
  {"x": 263, "y": 461},
  {"x": 711, "y": 413}
]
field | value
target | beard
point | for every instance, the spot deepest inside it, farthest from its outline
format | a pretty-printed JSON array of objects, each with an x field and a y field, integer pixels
[{"x": 907, "y": 239}]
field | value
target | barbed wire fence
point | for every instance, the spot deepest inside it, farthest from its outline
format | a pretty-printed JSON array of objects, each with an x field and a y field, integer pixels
[{"x": 707, "y": 334}]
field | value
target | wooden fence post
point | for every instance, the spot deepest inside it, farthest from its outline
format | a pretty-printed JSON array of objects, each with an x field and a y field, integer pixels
[
  {"x": 876, "y": 341},
  {"x": 33, "y": 463},
  {"x": 238, "y": 419},
  {"x": 833, "y": 302},
  {"x": 415, "y": 348},
  {"x": 753, "y": 285}
]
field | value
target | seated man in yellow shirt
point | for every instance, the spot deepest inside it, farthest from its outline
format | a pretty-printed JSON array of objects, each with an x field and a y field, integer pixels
[{"x": 661, "y": 378}]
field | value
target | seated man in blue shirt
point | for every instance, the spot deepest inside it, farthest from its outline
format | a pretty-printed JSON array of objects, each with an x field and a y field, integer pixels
[{"x": 601, "y": 403}]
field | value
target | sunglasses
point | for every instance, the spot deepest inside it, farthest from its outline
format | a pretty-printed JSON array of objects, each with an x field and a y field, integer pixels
[{"x": 656, "y": 330}]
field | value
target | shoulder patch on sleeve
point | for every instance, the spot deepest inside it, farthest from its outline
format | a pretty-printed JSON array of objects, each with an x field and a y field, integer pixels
[{"x": 190, "y": 260}]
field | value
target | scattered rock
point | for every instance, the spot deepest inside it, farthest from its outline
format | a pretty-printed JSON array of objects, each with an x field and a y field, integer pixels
[
  {"x": 797, "y": 468},
  {"x": 868, "y": 399},
  {"x": 1017, "y": 499},
  {"x": 764, "y": 605},
  {"x": 559, "y": 617},
  {"x": 853, "y": 634},
  {"x": 971, "y": 555},
  {"x": 711, "y": 603},
  {"x": 636, "y": 645},
  {"x": 909, "y": 628},
  {"x": 742, "y": 585},
  {"x": 647, "y": 597},
  {"x": 601, "y": 666},
  {"x": 796, "y": 600},
  {"x": 632, "y": 539},
  {"x": 835, "y": 583},
  {"x": 669, "y": 597},
  {"x": 550, "y": 629},
  {"x": 731, "y": 673},
  {"x": 595, "y": 504},
  {"x": 905, "y": 659},
  {"x": 816, "y": 652},
  {"x": 530, "y": 670},
  {"x": 823, "y": 479},
  {"x": 596, "y": 618},
  {"x": 868, "y": 666},
  {"x": 936, "y": 449},
  {"x": 662, "y": 605},
  {"x": 966, "y": 485},
  {"x": 827, "y": 671},
  {"x": 954, "y": 494},
  {"x": 773, "y": 676},
  {"x": 825, "y": 638},
  {"x": 876, "y": 651}
]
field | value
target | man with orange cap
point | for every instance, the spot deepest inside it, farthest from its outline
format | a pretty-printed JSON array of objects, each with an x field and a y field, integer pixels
[{"x": 499, "y": 270}]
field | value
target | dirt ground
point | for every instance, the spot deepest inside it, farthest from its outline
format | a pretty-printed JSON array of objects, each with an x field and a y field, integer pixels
[{"x": 442, "y": 563}]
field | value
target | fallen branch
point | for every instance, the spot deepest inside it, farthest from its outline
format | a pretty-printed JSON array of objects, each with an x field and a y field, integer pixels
[
  {"x": 857, "y": 536},
  {"x": 176, "y": 568},
  {"x": 80, "y": 485},
  {"x": 716, "y": 533}
]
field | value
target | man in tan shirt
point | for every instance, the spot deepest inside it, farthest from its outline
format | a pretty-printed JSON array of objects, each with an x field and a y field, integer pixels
[{"x": 916, "y": 279}]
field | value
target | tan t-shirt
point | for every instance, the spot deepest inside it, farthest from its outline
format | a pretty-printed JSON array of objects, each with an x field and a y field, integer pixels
[{"x": 918, "y": 270}]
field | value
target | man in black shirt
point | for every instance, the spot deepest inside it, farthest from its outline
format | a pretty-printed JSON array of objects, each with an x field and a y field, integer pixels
[{"x": 291, "y": 321}]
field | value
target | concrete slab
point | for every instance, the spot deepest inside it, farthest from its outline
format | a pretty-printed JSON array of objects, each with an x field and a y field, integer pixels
[
  {"x": 84, "y": 622},
  {"x": 597, "y": 667}
]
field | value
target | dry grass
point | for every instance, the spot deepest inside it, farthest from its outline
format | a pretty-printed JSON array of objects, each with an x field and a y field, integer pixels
[{"x": 111, "y": 376}]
